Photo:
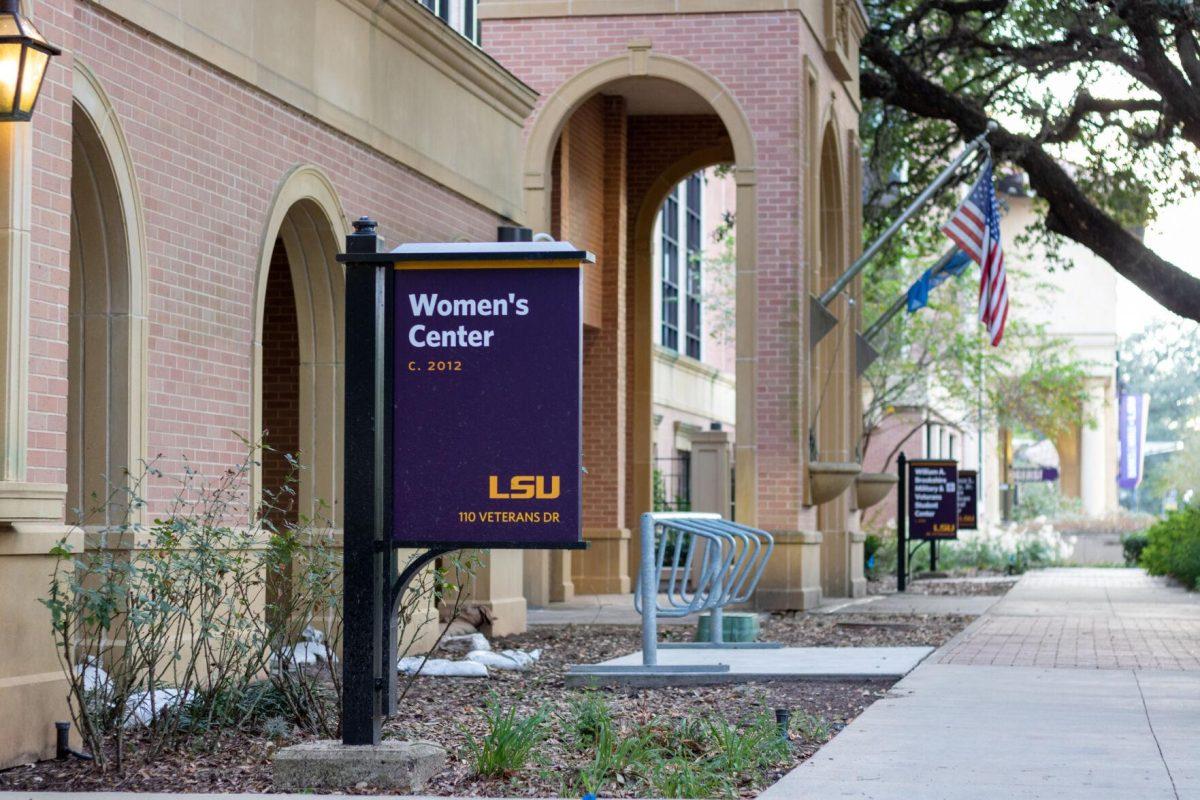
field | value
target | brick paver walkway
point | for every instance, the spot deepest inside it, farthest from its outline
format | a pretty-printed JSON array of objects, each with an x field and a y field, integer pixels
[
  {"x": 1079, "y": 684},
  {"x": 1090, "y": 618}
]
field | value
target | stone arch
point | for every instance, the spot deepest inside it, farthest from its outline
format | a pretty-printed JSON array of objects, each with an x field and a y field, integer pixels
[
  {"x": 643, "y": 277},
  {"x": 831, "y": 358},
  {"x": 108, "y": 305},
  {"x": 307, "y": 220},
  {"x": 539, "y": 154}
]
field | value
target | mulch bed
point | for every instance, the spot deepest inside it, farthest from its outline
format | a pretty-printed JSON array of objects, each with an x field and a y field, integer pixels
[
  {"x": 975, "y": 584},
  {"x": 450, "y": 710}
]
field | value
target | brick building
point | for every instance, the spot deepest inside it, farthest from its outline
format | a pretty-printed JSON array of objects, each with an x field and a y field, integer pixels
[{"x": 172, "y": 214}]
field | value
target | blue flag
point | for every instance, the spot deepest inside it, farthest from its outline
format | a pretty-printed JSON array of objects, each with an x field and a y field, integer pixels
[{"x": 918, "y": 293}]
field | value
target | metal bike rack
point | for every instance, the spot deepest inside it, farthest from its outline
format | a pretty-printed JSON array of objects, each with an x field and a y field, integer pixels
[{"x": 709, "y": 563}]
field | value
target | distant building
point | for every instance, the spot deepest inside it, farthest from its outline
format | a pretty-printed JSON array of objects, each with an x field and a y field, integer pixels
[{"x": 1077, "y": 304}]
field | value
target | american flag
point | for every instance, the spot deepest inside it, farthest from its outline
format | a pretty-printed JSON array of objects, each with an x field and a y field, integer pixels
[{"x": 975, "y": 227}]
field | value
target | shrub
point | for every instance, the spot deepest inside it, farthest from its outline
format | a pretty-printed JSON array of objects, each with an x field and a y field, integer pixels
[
  {"x": 509, "y": 741},
  {"x": 1132, "y": 544},
  {"x": 1173, "y": 547},
  {"x": 214, "y": 615}
]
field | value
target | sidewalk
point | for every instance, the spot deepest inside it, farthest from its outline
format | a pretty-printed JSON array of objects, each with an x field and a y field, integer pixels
[{"x": 1080, "y": 683}]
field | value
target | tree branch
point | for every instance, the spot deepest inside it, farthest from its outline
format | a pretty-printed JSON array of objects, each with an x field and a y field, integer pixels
[{"x": 1071, "y": 212}]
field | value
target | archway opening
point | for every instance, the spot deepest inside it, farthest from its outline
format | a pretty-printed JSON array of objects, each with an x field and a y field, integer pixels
[
  {"x": 101, "y": 339},
  {"x": 280, "y": 385},
  {"x": 298, "y": 371},
  {"x": 626, "y": 150}
]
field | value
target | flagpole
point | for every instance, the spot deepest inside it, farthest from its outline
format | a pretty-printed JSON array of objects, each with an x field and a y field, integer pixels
[
  {"x": 902, "y": 300},
  {"x": 980, "y": 484},
  {"x": 844, "y": 279}
]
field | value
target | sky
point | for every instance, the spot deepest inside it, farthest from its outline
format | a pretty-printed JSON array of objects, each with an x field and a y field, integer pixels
[{"x": 1175, "y": 236}]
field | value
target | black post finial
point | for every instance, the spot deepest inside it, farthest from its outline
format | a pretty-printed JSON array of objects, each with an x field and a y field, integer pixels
[{"x": 365, "y": 238}]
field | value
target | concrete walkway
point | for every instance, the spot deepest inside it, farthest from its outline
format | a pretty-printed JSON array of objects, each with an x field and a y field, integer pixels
[{"x": 1080, "y": 683}]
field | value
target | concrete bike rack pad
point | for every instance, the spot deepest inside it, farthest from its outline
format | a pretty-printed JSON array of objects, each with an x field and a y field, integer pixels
[{"x": 746, "y": 666}]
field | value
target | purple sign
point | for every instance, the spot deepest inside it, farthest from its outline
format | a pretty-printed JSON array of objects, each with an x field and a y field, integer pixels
[
  {"x": 487, "y": 398},
  {"x": 1132, "y": 417},
  {"x": 932, "y": 499},
  {"x": 968, "y": 505}
]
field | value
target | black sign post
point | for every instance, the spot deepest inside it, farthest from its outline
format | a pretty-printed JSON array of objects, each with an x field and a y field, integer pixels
[{"x": 463, "y": 394}]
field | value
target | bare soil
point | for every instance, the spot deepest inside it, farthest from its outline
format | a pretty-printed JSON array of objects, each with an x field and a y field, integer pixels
[{"x": 450, "y": 711}]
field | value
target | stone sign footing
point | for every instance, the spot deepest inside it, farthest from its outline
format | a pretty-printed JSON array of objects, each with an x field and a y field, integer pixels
[{"x": 329, "y": 764}]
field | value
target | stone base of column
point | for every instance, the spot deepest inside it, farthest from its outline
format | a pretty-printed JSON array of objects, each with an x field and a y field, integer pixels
[
  {"x": 604, "y": 567},
  {"x": 842, "y": 564},
  {"x": 548, "y": 577},
  {"x": 499, "y": 585},
  {"x": 792, "y": 578},
  {"x": 33, "y": 688},
  {"x": 562, "y": 582}
]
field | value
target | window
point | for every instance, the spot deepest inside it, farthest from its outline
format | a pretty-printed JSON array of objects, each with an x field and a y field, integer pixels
[
  {"x": 681, "y": 250},
  {"x": 695, "y": 187},
  {"x": 670, "y": 271},
  {"x": 461, "y": 15}
]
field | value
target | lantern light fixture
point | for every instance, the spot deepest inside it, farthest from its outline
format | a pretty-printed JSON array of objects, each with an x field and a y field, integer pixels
[{"x": 24, "y": 55}]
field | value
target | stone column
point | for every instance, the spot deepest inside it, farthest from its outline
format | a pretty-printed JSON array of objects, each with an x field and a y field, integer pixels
[
  {"x": 32, "y": 687},
  {"x": 711, "y": 489},
  {"x": 604, "y": 568},
  {"x": 1094, "y": 451},
  {"x": 498, "y": 584}
]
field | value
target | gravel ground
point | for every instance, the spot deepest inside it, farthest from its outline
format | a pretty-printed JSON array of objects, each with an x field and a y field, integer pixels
[{"x": 450, "y": 712}]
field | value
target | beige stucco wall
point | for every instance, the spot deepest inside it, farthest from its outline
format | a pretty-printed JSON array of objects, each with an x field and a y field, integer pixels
[{"x": 392, "y": 58}]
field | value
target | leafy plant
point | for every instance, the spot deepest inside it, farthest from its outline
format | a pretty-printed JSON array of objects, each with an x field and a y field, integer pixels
[
  {"x": 812, "y": 728},
  {"x": 509, "y": 741},
  {"x": 1132, "y": 545},
  {"x": 590, "y": 718},
  {"x": 1173, "y": 547},
  {"x": 216, "y": 614}
]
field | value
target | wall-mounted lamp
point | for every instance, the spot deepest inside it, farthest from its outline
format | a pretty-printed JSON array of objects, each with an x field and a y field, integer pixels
[{"x": 24, "y": 54}]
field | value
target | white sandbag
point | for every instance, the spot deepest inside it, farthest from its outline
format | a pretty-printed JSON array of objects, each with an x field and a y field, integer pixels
[
  {"x": 505, "y": 659},
  {"x": 473, "y": 641},
  {"x": 94, "y": 676},
  {"x": 141, "y": 707},
  {"x": 306, "y": 653},
  {"x": 311, "y": 634},
  {"x": 442, "y": 667}
]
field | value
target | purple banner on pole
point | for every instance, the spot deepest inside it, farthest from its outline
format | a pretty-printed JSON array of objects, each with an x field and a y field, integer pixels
[
  {"x": 487, "y": 430},
  {"x": 1133, "y": 416}
]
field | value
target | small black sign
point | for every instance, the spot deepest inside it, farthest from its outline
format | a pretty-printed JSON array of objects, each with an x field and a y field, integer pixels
[
  {"x": 932, "y": 499},
  {"x": 968, "y": 500}
]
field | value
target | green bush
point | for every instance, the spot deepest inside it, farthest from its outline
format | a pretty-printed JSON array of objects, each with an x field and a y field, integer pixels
[
  {"x": 1173, "y": 547},
  {"x": 1132, "y": 544}
]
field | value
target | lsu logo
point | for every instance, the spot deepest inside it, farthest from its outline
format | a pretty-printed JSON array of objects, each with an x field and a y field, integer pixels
[{"x": 524, "y": 487}]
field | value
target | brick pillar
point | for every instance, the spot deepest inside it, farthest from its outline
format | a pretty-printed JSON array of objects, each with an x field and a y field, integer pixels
[{"x": 604, "y": 567}]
